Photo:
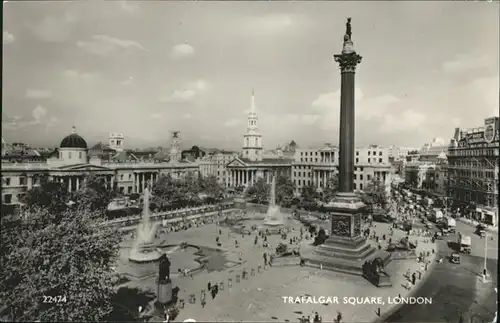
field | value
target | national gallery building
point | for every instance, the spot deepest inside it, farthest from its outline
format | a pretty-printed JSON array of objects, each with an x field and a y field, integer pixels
[{"x": 73, "y": 162}]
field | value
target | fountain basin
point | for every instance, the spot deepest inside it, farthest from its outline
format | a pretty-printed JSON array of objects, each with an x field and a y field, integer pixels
[
  {"x": 144, "y": 254},
  {"x": 272, "y": 227},
  {"x": 273, "y": 223}
]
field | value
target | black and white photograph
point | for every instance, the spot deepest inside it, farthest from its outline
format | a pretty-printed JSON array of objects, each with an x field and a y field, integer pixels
[{"x": 250, "y": 161}]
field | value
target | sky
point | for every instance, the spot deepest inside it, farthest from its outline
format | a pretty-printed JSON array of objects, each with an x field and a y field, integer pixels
[{"x": 149, "y": 68}]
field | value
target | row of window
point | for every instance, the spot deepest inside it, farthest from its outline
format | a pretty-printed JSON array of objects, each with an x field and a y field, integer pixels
[
  {"x": 305, "y": 153},
  {"x": 7, "y": 181},
  {"x": 482, "y": 186},
  {"x": 473, "y": 174},
  {"x": 300, "y": 183},
  {"x": 474, "y": 152},
  {"x": 80, "y": 155},
  {"x": 256, "y": 142},
  {"x": 356, "y": 169},
  {"x": 315, "y": 160},
  {"x": 471, "y": 163},
  {"x": 470, "y": 196},
  {"x": 7, "y": 198},
  {"x": 374, "y": 153}
]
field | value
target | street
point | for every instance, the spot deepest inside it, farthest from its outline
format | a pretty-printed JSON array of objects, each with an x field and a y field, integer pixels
[{"x": 457, "y": 288}]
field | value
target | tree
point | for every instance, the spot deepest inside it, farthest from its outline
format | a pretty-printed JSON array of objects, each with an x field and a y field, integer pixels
[
  {"x": 94, "y": 194},
  {"x": 412, "y": 180},
  {"x": 309, "y": 195},
  {"x": 67, "y": 254},
  {"x": 284, "y": 191},
  {"x": 174, "y": 193},
  {"x": 259, "y": 192},
  {"x": 51, "y": 195},
  {"x": 332, "y": 186},
  {"x": 375, "y": 194},
  {"x": 210, "y": 186},
  {"x": 55, "y": 196}
]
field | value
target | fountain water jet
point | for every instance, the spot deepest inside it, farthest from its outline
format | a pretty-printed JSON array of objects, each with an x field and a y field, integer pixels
[
  {"x": 143, "y": 249},
  {"x": 273, "y": 217}
]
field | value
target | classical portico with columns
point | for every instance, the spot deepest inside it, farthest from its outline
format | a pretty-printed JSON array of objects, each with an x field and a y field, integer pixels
[{"x": 244, "y": 172}]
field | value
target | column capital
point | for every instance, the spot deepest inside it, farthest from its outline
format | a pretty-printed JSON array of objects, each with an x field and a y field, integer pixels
[{"x": 348, "y": 61}]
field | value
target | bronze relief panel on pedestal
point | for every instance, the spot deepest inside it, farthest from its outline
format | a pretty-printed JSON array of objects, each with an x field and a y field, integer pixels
[
  {"x": 341, "y": 225},
  {"x": 357, "y": 225}
]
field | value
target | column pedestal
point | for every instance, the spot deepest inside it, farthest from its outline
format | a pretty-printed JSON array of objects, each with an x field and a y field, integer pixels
[
  {"x": 346, "y": 250},
  {"x": 164, "y": 294}
]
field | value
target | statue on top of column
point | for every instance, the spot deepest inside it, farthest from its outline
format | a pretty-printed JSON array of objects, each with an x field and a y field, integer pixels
[{"x": 348, "y": 30}]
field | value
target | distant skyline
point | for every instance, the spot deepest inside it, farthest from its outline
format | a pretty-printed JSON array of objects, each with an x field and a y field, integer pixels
[{"x": 149, "y": 68}]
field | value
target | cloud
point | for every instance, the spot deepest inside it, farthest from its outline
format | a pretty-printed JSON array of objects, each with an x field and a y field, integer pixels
[
  {"x": 55, "y": 29},
  {"x": 327, "y": 107},
  {"x": 406, "y": 121},
  {"x": 103, "y": 45},
  {"x": 10, "y": 123},
  {"x": 53, "y": 121},
  {"x": 128, "y": 81},
  {"x": 182, "y": 51},
  {"x": 128, "y": 6},
  {"x": 157, "y": 115},
  {"x": 487, "y": 89},
  {"x": 267, "y": 23},
  {"x": 188, "y": 93},
  {"x": 233, "y": 122},
  {"x": 39, "y": 113},
  {"x": 465, "y": 63},
  {"x": 76, "y": 75},
  {"x": 8, "y": 38},
  {"x": 182, "y": 95},
  {"x": 199, "y": 85},
  {"x": 38, "y": 94}
]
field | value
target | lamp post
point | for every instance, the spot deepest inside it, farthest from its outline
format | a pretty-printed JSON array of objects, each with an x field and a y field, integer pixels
[{"x": 485, "y": 254}]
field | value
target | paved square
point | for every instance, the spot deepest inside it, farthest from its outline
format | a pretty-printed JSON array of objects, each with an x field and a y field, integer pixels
[{"x": 260, "y": 297}]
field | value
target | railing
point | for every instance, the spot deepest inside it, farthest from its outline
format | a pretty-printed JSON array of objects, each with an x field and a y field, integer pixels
[
  {"x": 178, "y": 213},
  {"x": 41, "y": 166},
  {"x": 336, "y": 164},
  {"x": 17, "y": 166},
  {"x": 142, "y": 164}
]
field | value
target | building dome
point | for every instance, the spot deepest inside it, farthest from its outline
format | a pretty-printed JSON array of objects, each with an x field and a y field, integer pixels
[{"x": 73, "y": 141}]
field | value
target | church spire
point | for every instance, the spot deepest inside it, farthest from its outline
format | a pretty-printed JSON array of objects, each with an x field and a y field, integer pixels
[{"x": 252, "y": 107}]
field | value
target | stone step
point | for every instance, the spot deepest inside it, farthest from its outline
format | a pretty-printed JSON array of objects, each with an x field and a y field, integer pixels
[
  {"x": 350, "y": 267},
  {"x": 360, "y": 254},
  {"x": 347, "y": 266},
  {"x": 347, "y": 243},
  {"x": 343, "y": 250}
]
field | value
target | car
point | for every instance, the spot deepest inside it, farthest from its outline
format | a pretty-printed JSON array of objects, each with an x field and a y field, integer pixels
[
  {"x": 481, "y": 230},
  {"x": 455, "y": 258}
]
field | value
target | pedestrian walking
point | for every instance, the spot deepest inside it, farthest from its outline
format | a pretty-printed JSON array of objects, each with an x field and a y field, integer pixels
[{"x": 339, "y": 317}]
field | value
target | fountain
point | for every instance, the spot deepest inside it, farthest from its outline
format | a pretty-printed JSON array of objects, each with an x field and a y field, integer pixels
[
  {"x": 273, "y": 217},
  {"x": 143, "y": 249},
  {"x": 274, "y": 220}
]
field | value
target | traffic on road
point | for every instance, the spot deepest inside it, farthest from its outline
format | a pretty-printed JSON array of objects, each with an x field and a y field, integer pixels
[{"x": 459, "y": 291}]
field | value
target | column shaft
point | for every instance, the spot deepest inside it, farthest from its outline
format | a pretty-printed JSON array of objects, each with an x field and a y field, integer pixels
[{"x": 346, "y": 135}]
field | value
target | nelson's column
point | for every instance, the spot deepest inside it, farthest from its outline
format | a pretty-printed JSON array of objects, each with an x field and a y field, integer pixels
[{"x": 346, "y": 249}]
